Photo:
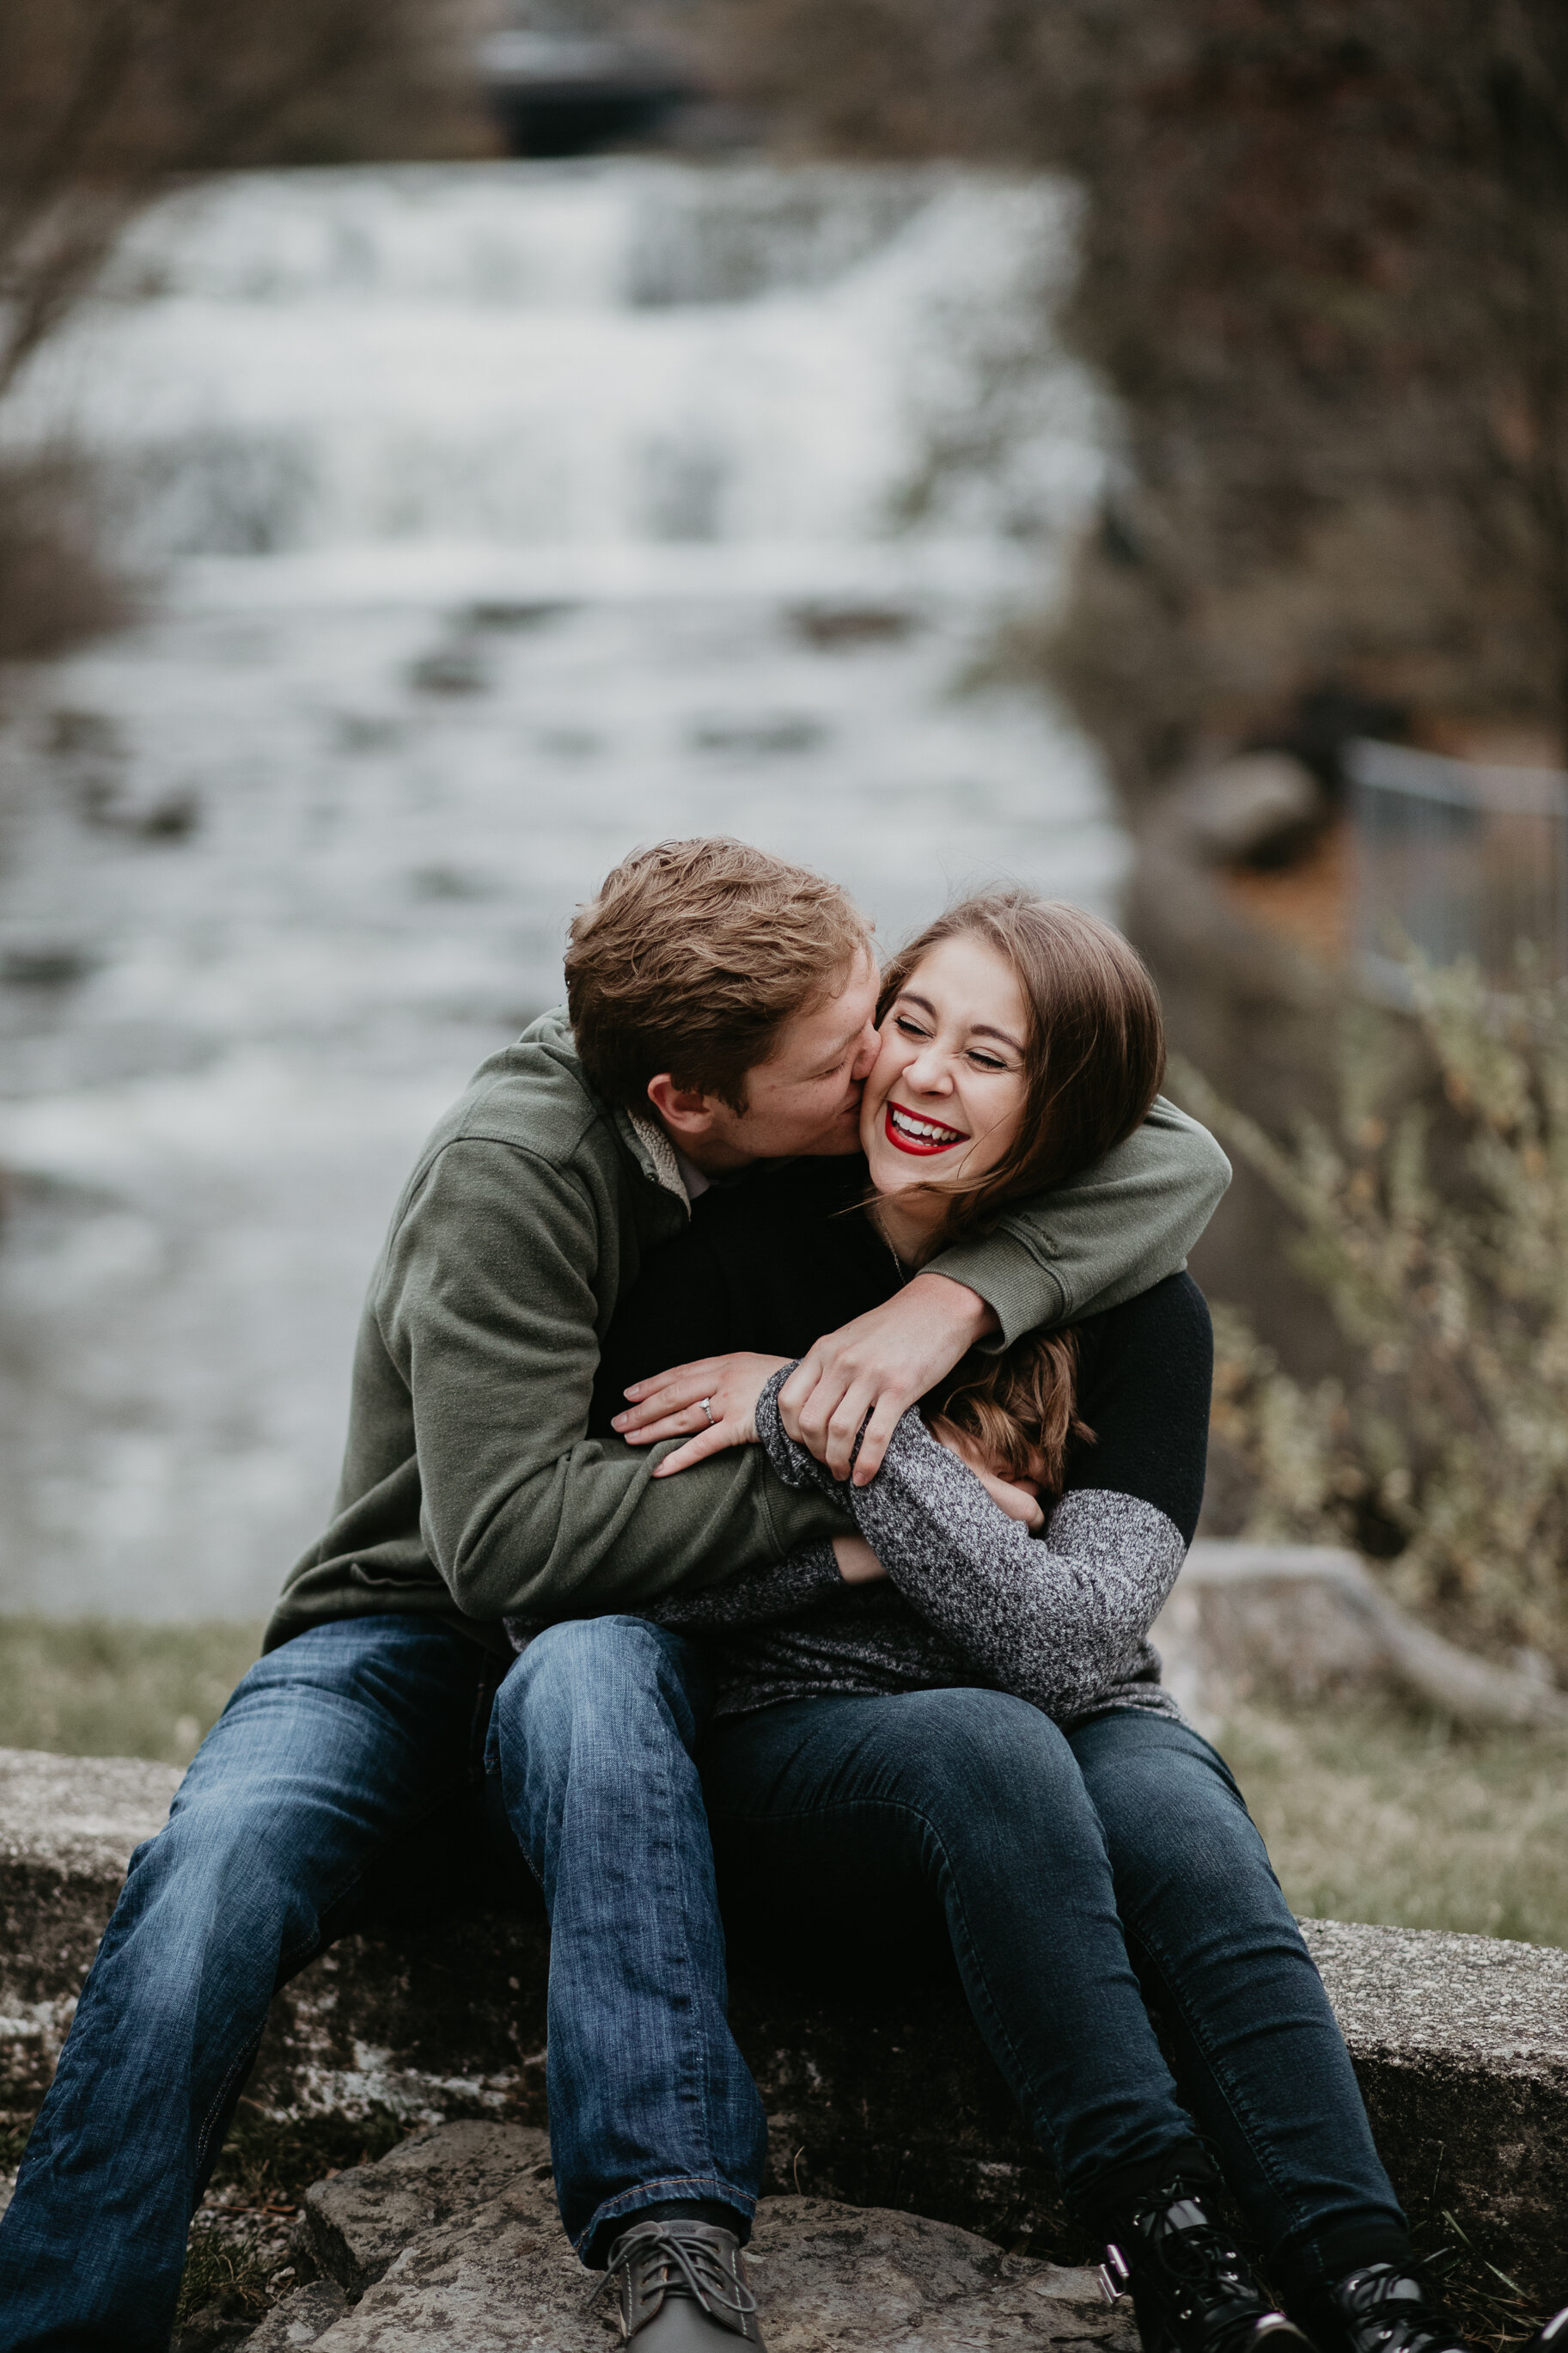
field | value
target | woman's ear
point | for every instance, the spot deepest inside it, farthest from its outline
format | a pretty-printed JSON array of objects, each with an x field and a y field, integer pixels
[{"x": 683, "y": 1111}]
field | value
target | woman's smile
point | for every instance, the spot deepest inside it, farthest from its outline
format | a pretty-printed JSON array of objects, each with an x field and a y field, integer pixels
[{"x": 912, "y": 1131}]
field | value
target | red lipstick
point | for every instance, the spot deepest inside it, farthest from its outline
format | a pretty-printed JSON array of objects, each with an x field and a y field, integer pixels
[{"x": 921, "y": 1146}]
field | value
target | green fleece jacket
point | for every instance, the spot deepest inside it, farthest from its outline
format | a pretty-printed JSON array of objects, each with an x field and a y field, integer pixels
[{"x": 469, "y": 1489}]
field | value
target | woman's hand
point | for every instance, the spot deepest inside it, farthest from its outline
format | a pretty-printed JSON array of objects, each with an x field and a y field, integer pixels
[
  {"x": 858, "y": 1564},
  {"x": 670, "y": 1405},
  {"x": 1019, "y": 1498}
]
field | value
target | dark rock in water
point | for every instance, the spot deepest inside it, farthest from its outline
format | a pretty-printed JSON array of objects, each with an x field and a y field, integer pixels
[
  {"x": 507, "y": 615},
  {"x": 52, "y": 964},
  {"x": 172, "y": 818},
  {"x": 449, "y": 670},
  {"x": 835, "y": 626},
  {"x": 769, "y": 732}
]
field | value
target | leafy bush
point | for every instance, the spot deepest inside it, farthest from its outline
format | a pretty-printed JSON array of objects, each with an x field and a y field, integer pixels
[{"x": 1435, "y": 1221}]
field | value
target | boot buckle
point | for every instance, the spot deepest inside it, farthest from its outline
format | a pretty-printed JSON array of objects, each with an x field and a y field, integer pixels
[{"x": 1114, "y": 2274}]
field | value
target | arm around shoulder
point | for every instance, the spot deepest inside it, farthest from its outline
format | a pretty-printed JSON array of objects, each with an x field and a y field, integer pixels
[{"x": 1121, "y": 1227}]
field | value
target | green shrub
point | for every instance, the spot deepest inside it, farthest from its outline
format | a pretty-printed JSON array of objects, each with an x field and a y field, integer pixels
[{"x": 1436, "y": 1227}]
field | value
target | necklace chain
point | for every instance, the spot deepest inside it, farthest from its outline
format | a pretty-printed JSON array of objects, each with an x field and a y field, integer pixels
[{"x": 900, "y": 1268}]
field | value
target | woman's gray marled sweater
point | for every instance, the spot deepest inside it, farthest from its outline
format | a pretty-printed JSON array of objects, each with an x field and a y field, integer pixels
[{"x": 970, "y": 1596}]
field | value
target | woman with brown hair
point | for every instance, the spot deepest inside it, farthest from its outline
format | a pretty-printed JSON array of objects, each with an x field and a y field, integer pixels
[{"x": 953, "y": 1717}]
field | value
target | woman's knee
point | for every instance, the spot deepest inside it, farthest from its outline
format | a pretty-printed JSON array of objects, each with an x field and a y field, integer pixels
[
  {"x": 986, "y": 1757},
  {"x": 1175, "y": 1823}
]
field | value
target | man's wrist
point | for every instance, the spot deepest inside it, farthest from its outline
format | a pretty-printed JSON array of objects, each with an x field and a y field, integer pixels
[{"x": 971, "y": 1316}]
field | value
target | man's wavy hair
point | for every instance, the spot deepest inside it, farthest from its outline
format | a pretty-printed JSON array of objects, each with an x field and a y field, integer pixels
[{"x": 692, "y": 958}]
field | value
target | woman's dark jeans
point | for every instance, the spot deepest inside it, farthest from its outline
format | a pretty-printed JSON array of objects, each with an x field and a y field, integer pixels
[{"x": 1039, "y": 1848}]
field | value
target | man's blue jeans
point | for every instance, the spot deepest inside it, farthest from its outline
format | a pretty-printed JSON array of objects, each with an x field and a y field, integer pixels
[
  {"x": 336, "y": 1748},
  {"x": 331, "y": 1753}
]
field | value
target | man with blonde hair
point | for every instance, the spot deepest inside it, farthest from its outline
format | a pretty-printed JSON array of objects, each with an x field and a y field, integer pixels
[{"x": 721, "y": 1006}]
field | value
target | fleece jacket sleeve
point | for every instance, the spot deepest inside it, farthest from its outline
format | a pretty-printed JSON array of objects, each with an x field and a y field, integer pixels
[
  {"x": 1111, "y": 1233},
  {"x": 486, "y": 1307}
]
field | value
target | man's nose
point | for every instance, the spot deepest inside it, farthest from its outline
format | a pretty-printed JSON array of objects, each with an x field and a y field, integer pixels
[{"x": 867, "y": 1052}]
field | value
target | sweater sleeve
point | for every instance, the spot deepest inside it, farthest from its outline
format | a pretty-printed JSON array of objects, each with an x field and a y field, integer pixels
[
  {"x": 1055, "y": 1620},
  {"x": 756, "y": 1597},
  {"x": 1114, "y": 1232}
]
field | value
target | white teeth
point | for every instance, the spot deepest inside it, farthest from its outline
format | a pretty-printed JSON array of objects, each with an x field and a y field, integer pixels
[{"x": 923, "y": 1131}]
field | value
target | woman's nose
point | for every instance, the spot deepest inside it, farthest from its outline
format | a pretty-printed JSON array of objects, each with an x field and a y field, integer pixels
[{"x": 928, "y": 1072}]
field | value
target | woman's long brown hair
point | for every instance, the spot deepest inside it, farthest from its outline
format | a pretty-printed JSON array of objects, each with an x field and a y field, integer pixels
[
  {"x": 1093, "y": 1060},
  {"x": 1019, "y": 1409}
]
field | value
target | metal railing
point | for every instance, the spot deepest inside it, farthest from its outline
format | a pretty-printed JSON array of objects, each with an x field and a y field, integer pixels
[{"x": 1456, "y": 859}]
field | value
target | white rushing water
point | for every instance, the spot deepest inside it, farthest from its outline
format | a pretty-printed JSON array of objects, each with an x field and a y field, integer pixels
[{"x": 504, "y": 516}]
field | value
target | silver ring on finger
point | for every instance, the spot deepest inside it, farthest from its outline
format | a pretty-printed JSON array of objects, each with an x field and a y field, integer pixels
[{"x": 706, "y": 1405}]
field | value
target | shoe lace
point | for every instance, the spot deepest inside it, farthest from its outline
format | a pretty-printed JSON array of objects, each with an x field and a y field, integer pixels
[
  {"x": 1204, "y": 2268},
  {"x": 666, "y": 2257},
  {"x": 1388, "y": 2307}
]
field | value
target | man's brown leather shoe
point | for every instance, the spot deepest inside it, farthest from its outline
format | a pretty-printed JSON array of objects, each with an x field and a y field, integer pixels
[{"x": 681, "y": 2287}]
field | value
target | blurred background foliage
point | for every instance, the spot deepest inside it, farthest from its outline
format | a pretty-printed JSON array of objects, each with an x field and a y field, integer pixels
[
  {"x": 1325, "y": 272},
  {"x": 1440, "y": 1240}
]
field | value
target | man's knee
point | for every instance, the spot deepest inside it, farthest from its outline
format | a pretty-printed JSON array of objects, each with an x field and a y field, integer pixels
[
  {"x": 220, "y": 1864},
  {"x": 593, "y": 1678}
]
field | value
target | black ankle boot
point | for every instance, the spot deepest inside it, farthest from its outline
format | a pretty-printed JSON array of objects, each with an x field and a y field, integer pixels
[
  {"x": 1192, "y": 2291},
  {"x": 681, "y": 2286},
  {"x": 1385, "y": 2308}
]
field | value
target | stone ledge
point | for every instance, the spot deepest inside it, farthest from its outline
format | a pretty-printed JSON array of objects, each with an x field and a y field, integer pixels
[{"x": 1460, "y": 2042}]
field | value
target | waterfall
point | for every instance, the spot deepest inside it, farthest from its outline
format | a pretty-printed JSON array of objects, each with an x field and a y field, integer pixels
[{"x": 498, "y": 517}]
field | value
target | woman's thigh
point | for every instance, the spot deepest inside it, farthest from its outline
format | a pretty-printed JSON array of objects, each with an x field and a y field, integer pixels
[
  {"x": 871, "y": 1827},
  {"x": 844, "y": 1817}
]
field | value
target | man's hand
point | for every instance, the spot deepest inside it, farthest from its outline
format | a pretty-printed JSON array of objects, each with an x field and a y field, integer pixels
[
  {"x": 879, "y": 1365},
  {"x": 711, "y": 1404}
]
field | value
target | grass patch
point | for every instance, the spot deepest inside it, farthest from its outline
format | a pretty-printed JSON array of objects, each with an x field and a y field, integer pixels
[
  {"x": 1377, "y": 1813},
  {"x": 223, "y": 2275},
  {"x": 112, "y": 1687}
]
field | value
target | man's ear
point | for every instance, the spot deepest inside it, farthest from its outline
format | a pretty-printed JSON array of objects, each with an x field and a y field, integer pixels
[{"x": 684, "y": 1112}]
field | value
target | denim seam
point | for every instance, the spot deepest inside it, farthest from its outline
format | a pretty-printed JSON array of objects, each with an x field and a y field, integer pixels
[
  {"x": 702, "y": 2073},
  {"x": 236, "y": 2075},
  {"x": 668, "y": 2185},
  {"x": 1240, "y": 2108}
]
